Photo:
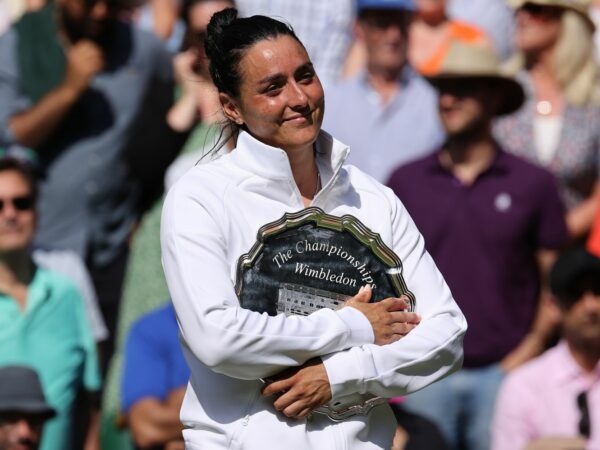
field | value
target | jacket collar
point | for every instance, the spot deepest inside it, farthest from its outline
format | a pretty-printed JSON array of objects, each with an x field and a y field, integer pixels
[{"x": 273, "y": 163}]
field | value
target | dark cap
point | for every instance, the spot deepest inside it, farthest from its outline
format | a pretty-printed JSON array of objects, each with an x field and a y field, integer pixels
[
  {"x": 21, "y": 391},
  {"x": 572, "y": 268},
  {"x": 402, "y": 5}
]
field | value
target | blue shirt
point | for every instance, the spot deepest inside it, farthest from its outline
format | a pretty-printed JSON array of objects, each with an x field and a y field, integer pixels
[
  {"x": 383, "y": 136},
  {"x": 153, "y": 361}
]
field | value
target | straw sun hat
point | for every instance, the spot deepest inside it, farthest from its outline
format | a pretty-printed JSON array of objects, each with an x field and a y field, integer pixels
[{"x": 468, "y": 63}]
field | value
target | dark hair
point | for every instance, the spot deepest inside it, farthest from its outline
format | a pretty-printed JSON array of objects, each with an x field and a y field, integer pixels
[
  {"x": 228, "y": 38},
  {"x": 12, "y": 164}
]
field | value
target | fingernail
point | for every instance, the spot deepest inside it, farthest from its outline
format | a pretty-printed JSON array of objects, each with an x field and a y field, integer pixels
[{"x": 362, "y": 288}]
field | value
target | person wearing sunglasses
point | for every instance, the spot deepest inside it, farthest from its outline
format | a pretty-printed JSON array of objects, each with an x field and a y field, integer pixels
[
  {"x": 553, "y": 402},
  {"x": 43, "y": 323},
  {"x": 557, "y": 127}
]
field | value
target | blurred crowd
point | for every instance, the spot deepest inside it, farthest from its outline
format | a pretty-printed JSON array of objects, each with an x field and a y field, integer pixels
[{"x": 483, "y": 116}]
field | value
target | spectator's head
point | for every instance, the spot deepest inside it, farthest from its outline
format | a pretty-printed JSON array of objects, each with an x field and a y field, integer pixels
[
  {"x": 23, "y": 408},
  {"x": 575, "y": 284},
  {"x": 267, "y": 84},
  {"x": 563, "y": 31},
  {"x": 88, "y": 19},
  {"x": 383, "y": 27},
  {"x": 197, "y": 14},
  {"x": 18, "y": 195},
  {"x": 472, "y": 90},
  {"x": 431, "y": 10}
]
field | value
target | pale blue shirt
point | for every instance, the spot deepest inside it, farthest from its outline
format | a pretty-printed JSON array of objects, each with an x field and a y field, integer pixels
[{"x": 382, "y": 136}]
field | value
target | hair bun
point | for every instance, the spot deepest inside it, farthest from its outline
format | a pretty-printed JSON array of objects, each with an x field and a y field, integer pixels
[{"x": 214, "y": 31}]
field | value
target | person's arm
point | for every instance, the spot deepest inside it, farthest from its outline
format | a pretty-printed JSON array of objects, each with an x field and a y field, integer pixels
[
  {"x": 32, "y": 126},
  {"x": 545, "y": 323},
  {"x": 150, "y": 401},
  {"x": 92, "y": 439},
  {"x": 183, "y": 115},
  {"x": 229, "y": 339},
  {"x": 581, "y": 217},
  {"x": 430, "y": 351},
  {"x": 153, "y": 422}
]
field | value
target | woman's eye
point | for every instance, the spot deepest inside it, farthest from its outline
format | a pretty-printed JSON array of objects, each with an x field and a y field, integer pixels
[
  {"x": 272, "y": 89},
  {"x": 307, "y": 76}
]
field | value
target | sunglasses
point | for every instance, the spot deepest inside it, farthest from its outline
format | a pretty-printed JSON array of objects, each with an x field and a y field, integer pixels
[
  {"x": 541, "y": 11},
  {"x": 584, "y": 421},
  {"x": 24, "y": 203}
]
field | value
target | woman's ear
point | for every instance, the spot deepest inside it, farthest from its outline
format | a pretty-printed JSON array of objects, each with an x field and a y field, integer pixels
[{"x": 230, "y": 108}]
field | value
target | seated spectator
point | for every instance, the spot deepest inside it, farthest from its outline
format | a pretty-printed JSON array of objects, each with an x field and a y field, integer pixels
[
  {"x": 553, "y": 402},
  {"x": 493, "y": 224},
  {"x": 155, "y": 377},
  {"x": 23, "y": 408},
  {"x": 42, "y": 316},
  {"x": 432, "y": 32},
  {"x": 557, "y": 126},
  {"x": 387, "y": 113}
]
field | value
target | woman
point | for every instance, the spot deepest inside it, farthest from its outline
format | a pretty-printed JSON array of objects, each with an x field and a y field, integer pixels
[
  {"x": 558, "y": 125},
  {"x": 283, "y": 163}
]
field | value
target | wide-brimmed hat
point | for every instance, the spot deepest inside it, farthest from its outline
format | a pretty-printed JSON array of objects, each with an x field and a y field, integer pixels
[
  {"x": 569, "y": 269},
  {"x": 579, "y": 6},
  {"x": 21, "y": 391},
  {"x": 405, "y": 5},
  {"x": 469, "y": 62}
]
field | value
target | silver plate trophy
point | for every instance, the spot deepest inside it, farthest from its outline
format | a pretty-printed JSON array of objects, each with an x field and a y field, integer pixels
[{"x": 311, "y": 260}]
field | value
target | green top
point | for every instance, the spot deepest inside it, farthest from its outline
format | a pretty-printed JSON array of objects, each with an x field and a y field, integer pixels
[{"x": 52, "y": 336}]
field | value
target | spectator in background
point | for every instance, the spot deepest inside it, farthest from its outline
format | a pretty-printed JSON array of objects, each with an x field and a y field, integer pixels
[
  {"x": 73, "y": 85},
  {"x": 492, "y": 223},
  {"x": 432, "y": 32},
  {"x": 553, "y": 401},
  {"x": 557, "y": 127},
  {"x": 325, "y": 28},
  {"x": 386, "y": 113},
  {"x": 23, "y": 408},
  {"x": 155, "y": 376},
  {"x": 198, "y": 111},
  {"x": 42, "y": 317}
]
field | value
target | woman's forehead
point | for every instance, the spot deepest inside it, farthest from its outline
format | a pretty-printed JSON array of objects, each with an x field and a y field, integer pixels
[{"x": 273, "y": 55}]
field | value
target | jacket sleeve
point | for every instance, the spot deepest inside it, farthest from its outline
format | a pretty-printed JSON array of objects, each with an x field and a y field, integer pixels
[
  {"x": 227, "y": 338},
  {"x": 429, "y": 352}
]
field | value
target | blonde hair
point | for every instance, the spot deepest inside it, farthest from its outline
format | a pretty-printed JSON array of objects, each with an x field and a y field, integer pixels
[{"x": 575, "y": 63}]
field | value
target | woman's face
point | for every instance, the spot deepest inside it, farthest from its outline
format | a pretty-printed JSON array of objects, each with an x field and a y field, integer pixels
[
  {"x": 538, "y": 27},
  {"x": 281, "y": 100}
]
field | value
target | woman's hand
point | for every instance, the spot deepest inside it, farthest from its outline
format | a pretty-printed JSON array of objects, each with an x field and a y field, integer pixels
[
  {"x": 388, "y": 317},
  {"x": 300, "y": 390}
]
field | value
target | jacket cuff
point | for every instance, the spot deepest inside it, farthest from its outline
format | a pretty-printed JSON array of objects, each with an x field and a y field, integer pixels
[{"x": 361, "y": 331}]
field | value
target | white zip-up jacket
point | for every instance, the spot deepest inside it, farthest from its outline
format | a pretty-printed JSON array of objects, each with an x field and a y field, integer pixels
[{"x": 210, "y": 218}]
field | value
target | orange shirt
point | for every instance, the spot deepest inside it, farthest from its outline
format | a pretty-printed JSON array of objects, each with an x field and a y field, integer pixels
[{"x": 458, "y": 31}]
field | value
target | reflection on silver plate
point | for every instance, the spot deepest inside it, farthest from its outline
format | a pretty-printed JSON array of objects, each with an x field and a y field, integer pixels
[{"x": 303, "y": 300}]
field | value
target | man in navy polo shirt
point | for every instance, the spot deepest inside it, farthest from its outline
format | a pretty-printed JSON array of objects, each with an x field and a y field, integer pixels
[{"x": 492, "y": 223}]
